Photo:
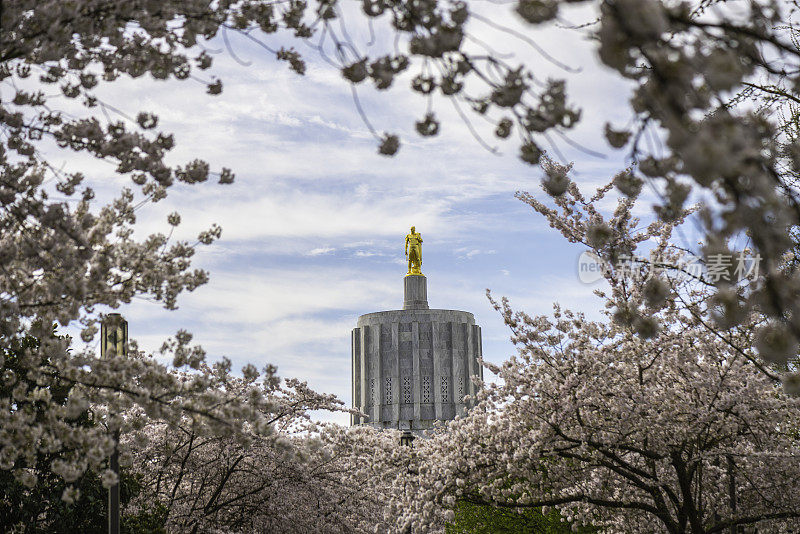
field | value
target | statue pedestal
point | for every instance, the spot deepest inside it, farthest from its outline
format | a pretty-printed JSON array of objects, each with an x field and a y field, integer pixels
[{"x": 416, "y": 292}]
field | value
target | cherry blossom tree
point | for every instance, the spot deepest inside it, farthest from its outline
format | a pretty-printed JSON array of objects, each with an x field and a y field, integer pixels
[
  {"x": 677, "y": 434},
  {"x": 301, "y": 477},
  {"x": 65, "y": 258},
  {"x": 694, "y": 67},
  {"x": 646, "y": 421},
  {"x": 40, "y": 508}
]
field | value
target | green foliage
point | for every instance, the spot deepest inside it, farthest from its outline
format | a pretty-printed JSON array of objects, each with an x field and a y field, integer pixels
[
  {"x": 40, "y": 509},
  {"x": 472, "y": 518},
  {"x": 146, "y": 521}
]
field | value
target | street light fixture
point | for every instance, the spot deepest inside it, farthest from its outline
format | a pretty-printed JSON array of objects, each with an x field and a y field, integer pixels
[{"x": 114, "y": 343}]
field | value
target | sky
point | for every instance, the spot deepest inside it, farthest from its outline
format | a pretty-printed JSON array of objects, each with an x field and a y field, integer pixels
[{"x": 314, "y": 225}]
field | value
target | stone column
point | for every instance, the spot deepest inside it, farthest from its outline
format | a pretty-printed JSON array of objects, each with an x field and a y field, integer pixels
[
  {"x": 417, "y": 392},
  {"x": 362, "y": 361},
  {"x": 461, "y": 341},
  {"x": 439, "y": 353},
  {"x": 355, "y": 373},
  {"x": 375, "y": 374},
  {"x": 472, "y": 359},
  {"x": 395, "y": 396}
]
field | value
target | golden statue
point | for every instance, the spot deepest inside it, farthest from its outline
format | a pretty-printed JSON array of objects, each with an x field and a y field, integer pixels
[{"x": 414, "y": 252}]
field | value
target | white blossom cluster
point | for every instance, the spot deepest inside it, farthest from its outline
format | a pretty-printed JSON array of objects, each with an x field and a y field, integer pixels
[
  {"x": 652, "y": 420},
  {"x": 299, "y": 477},
  {"x": 64, "y": 256},
  {"x": 620, "y": 426},
  {"x": 622, "y": 433},
  {"x": 717, "y": 81},
  {"x": 716, "y": 290}
]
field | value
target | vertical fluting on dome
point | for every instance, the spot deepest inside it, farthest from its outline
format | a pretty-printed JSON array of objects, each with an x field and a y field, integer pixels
[{"x": 413, "y": 366}]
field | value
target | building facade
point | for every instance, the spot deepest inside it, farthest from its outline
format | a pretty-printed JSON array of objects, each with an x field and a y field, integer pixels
[{"x": 413, "y": 366}]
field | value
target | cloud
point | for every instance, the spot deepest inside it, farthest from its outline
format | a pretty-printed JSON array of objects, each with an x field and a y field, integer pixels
[
  {"x": 321, "y": 250},
  {"x": 467, "y": 253}
]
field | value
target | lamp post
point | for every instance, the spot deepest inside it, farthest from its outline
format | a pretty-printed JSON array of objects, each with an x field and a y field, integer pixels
[{"x": 114, "y": 343}]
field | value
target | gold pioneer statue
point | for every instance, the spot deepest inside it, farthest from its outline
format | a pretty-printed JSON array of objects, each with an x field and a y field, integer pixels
[{"x": 414, "y": 252}]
